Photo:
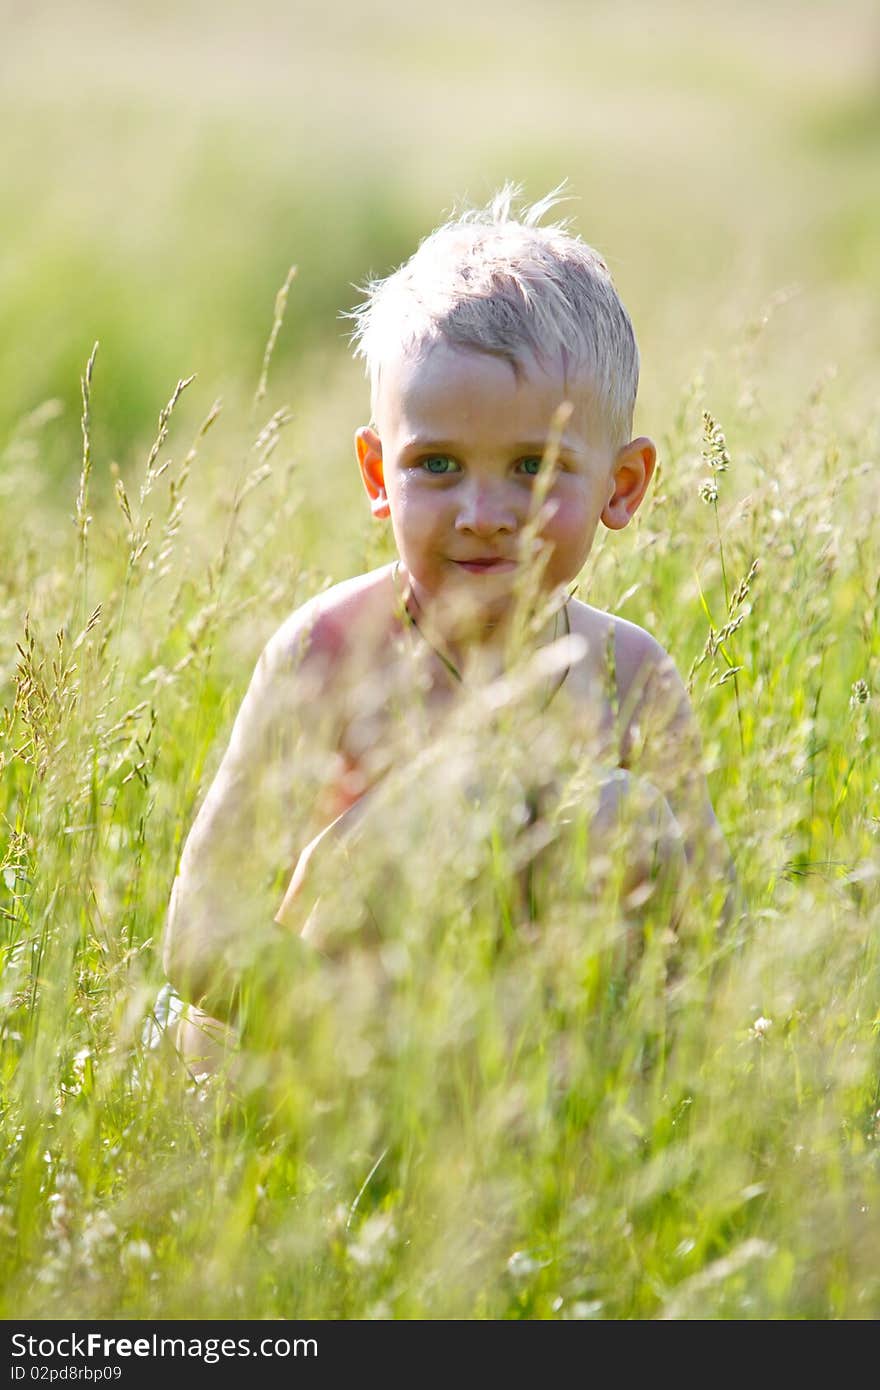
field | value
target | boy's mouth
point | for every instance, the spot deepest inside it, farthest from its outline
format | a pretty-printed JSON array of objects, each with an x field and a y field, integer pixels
[{"x": 489, "y": 564}]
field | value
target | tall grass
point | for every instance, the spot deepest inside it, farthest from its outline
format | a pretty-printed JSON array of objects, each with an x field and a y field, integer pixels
[{"x": 492, "y": 1126}]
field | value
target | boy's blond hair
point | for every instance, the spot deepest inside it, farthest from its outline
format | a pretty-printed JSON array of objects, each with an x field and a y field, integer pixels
[{"x": 499, "y": 282}]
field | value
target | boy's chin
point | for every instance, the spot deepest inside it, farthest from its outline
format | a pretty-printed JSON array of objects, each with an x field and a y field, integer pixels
[{"x": 470, "y": 601}]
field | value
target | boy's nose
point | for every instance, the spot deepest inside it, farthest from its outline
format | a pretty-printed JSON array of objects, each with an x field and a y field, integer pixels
[{"x": 486, "y": 511}]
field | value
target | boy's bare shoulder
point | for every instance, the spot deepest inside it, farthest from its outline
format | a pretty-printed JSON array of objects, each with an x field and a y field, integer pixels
[
  {"x": 334, "y": 623},
  {"x": 643, "y": 670},
  {"x": 657, "y": 730}
]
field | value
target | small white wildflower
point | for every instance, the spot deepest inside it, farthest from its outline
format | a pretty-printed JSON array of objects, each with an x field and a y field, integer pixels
[
  {"x": 97, "y": 1231},
  {"x": 67, "y": 1178},
  {"x": 59, "y": 1211},
  {"x": 586, "y": 1309},
  {"x": 78, "y": 1072},
  {"x": 137, "y": 1252},
  {"x": 761, "y": 1027},
  {"x": 861, "y": 694},
  {"x": 374, "y": 1238},
  {"x": 522, "y": 1265}
]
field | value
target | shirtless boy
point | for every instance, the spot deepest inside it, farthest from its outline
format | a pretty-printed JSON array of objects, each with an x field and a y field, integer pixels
[{"x": 504, "y": 370}]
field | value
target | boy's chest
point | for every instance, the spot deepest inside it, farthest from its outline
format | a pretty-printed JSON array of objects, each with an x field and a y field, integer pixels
[{"x": 548, "y": 727}]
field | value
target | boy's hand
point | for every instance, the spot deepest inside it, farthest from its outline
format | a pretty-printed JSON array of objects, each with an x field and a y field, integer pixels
[
  {"x": 321, "y": 866},
  {"x": 224, "y": 896}
]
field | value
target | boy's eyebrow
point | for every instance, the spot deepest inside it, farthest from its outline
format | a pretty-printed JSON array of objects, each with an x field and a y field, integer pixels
[
  {"x": 520, "y": 446},
  {"x": 417, "y": 441}
]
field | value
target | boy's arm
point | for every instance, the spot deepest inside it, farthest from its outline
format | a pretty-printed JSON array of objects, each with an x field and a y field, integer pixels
[
  {"x": 231, "y": 870},
  {"x": 661, "y": 742}
]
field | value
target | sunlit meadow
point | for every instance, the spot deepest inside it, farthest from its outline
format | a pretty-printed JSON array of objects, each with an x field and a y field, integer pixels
[{"x": 503, "y": 1127}]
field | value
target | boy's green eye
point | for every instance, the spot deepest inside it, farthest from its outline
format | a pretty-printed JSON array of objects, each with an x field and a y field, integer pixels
[
  {"x": 531, "y": 466},
  {"x": 438, "y": 463}
]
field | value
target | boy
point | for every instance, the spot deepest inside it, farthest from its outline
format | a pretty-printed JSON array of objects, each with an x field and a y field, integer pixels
[{"x": 503, "y": 370}]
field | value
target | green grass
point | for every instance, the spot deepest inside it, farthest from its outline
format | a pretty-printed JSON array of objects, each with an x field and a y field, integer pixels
[
  {"x": 522, "y": 1134},
  {"x": 509, "y": 1130}
]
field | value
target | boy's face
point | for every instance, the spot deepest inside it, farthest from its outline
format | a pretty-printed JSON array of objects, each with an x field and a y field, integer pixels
[{"x": 453, "y": 461}]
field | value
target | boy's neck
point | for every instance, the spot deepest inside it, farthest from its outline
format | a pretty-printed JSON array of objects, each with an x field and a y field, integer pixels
[{"x": 476, "y": 645}]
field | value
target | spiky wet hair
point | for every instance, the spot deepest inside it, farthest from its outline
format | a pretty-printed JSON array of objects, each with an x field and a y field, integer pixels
[{"x": 498, "y": 280}]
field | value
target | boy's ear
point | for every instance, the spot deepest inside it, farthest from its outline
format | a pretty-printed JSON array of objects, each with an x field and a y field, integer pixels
[
  {"x": 633, "y": 470},
  {"x": 369, "y": 457}
]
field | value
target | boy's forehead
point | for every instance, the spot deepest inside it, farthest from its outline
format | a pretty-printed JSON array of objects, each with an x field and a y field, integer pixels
[{"x": 421, "y": 387}]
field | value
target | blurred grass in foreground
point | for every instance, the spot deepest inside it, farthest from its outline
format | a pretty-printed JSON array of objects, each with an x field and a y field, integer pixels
[
  {"x": 517, "y": 1131},
  {"x": 524, "y": 1133}
]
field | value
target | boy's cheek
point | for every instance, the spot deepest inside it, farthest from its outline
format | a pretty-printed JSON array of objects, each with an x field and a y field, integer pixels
[{"x": 569, "y": 541}]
